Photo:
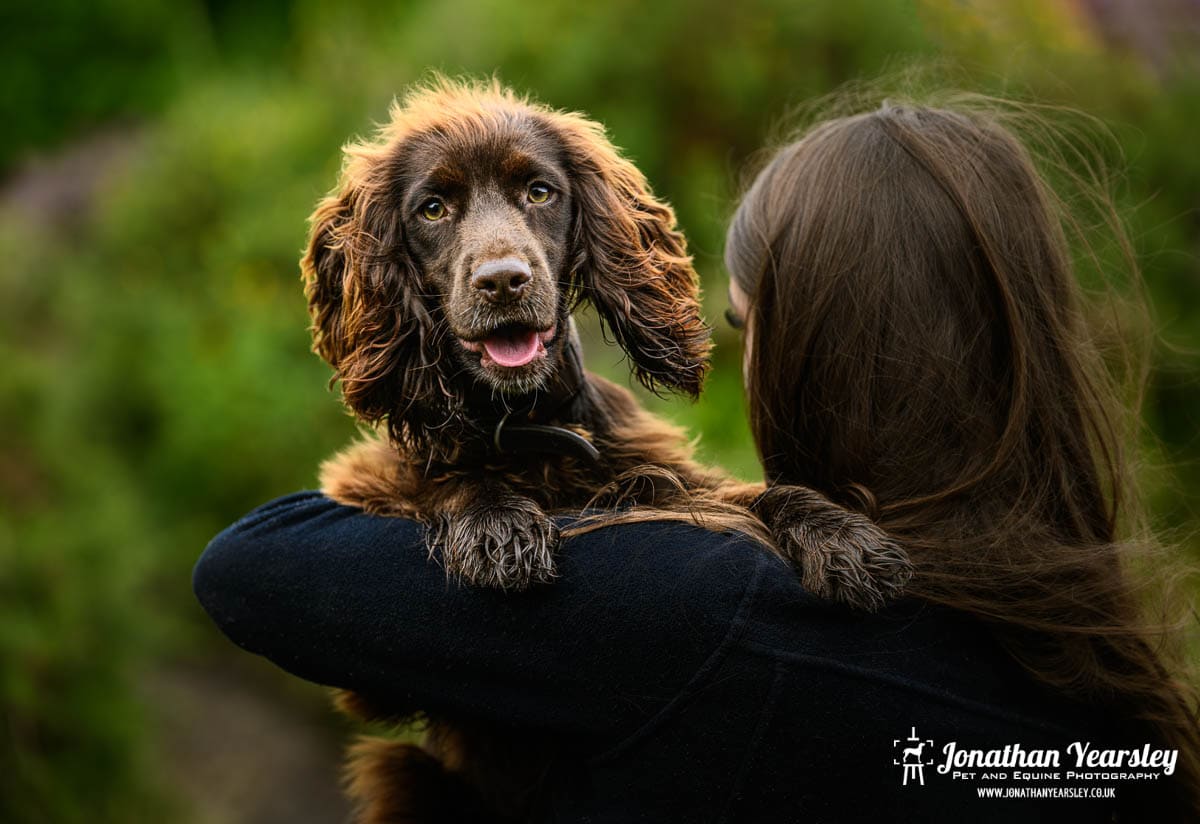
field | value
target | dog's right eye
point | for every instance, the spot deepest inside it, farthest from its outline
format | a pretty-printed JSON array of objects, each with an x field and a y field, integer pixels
[{"x": 433, "y": 209}]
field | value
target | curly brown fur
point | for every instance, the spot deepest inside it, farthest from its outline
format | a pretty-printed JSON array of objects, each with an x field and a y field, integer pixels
[
  {"x": 398, "y": 783},
  {"x": 500, "y": 539},
  {"x": 441, "y": 276}
]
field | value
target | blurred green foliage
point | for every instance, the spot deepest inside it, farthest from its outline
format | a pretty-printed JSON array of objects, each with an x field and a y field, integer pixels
[{"x": 156, "y": 380}]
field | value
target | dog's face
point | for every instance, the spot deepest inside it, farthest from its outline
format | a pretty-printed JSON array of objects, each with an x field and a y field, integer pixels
[
  {"x": 459, "y": 239},
  {"x": 487, "y": 217}
]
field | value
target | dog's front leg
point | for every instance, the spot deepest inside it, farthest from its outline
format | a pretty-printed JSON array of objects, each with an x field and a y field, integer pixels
[
  {"x": 840, "y": 554},
  {"x": 490, "y": 535}
]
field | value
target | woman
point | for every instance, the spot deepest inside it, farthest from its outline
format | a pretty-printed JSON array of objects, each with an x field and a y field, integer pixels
[{"x": 914, "y": 349}]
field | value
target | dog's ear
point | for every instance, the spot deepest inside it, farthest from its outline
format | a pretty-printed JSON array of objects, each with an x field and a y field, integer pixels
[
  {"x": 325, "y": 271},
  {"x": 364, "y": 295},
  {"x": 632, "y": 263}
]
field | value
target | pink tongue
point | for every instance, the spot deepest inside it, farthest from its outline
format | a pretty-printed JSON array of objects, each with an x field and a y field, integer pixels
[{"x": 513, "y": 350}]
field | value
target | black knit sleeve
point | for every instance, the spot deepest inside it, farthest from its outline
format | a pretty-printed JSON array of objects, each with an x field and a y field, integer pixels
[{"x": 352, "y": 600}]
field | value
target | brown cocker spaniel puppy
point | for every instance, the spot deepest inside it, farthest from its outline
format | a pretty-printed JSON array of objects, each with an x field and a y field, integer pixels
[{"x": 441, "y": 275}]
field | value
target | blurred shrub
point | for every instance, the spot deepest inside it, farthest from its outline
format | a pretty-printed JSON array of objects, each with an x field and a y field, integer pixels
[
  {"x": 73, "y": 64},
  {"x": 156, "y": 379},
  {"x": 74, "y": 550}
]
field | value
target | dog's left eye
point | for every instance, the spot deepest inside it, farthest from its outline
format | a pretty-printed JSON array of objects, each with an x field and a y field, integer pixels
[
  {"x": 433, "y": 209},
  {"x": 538, "y": 192}
]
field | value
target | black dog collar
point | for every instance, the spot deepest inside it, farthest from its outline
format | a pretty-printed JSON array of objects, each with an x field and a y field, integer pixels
[
  {"x": 516, "y": 432},
  {"x": 510, "y": 438}
]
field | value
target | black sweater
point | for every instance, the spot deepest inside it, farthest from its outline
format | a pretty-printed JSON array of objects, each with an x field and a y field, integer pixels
[{"x": 687, "y": 674}]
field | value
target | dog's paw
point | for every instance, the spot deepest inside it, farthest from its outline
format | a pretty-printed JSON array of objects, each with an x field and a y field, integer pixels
[
  {"x": 841, "y": 555},
  {"x": 507, "y": 544}
]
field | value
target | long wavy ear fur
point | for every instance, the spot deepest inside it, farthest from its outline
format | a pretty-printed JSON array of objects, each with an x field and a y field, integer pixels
[
  {"x": 371, "y": 323},
  {"x": 364, "y": 295},
  {"x": 632, "y": 263}
]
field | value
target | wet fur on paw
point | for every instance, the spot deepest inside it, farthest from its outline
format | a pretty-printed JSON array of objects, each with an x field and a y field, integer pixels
[
  {"x": 507, "y": 543},
  {"x": 841, "y": 555}
]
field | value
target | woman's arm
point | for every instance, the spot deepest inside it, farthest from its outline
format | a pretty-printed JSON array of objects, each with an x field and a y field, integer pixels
[{"x": 352, "y": 600}]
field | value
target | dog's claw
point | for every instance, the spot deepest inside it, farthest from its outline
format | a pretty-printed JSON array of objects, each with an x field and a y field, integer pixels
[{"x": 507, "y": 545}]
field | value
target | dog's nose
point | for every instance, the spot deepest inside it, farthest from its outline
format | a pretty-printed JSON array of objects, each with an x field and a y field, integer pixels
[{"x": 501, "y": 280}]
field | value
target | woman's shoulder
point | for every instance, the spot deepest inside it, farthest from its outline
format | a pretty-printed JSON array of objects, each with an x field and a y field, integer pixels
[
  {"x": 652, "y": 563},
  {"x": 917, "y": 652}
]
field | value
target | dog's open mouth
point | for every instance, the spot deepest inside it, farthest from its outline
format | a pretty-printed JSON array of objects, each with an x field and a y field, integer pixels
[{"x": 511, "y": 346}]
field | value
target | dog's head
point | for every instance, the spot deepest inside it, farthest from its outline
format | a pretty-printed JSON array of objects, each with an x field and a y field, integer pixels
[{"x": 457, "y": 242}]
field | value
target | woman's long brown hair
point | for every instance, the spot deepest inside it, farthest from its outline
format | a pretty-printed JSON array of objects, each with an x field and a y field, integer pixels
[{"x": 920, "y": 350}]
